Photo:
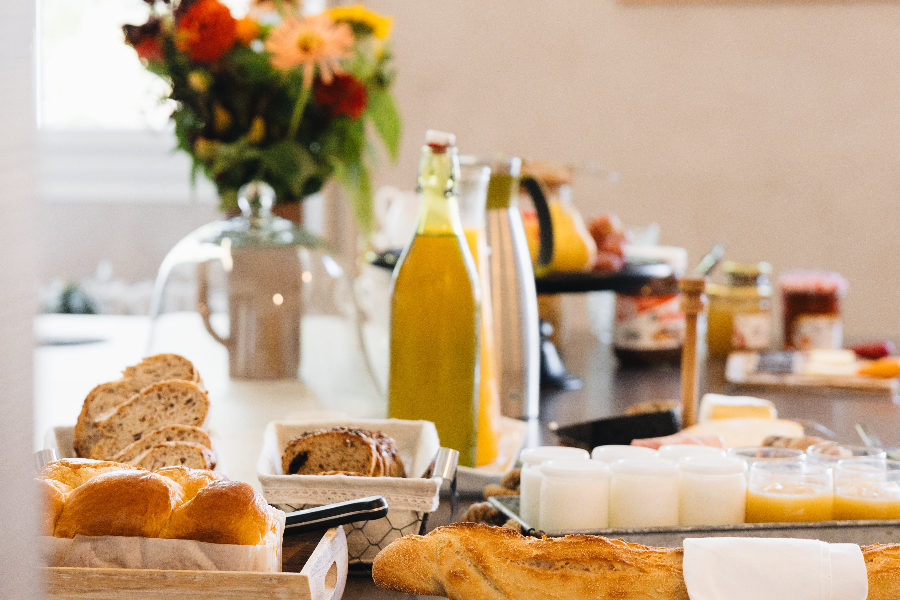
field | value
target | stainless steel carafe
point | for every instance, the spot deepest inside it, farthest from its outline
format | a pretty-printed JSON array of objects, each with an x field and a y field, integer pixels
[{"x": 512, "y": 285}]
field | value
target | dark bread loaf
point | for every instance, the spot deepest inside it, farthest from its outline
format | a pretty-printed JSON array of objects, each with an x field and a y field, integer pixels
[
  {"x": 338, "y": 449},
  {"x": 166, "y": 403},
  {"x": 167, "y": 433},
  {"x": 343, "y": 450}
]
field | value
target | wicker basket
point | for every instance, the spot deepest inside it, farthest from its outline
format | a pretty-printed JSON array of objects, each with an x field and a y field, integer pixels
[{"x": 410, "y": 499}]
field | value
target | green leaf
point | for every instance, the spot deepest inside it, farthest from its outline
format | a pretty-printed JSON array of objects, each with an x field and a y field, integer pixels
[
  {"x": 354, "y": 178},
  {"x": 383, "y": 113}
]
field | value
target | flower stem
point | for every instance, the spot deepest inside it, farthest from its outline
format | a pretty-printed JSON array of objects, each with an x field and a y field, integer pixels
[{"x": 297, "y": 115}]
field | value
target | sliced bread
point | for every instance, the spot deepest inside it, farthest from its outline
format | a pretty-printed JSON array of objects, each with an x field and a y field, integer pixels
[
  {"x": 105, "y": 398},
  {"x": 165, "y": 403},
  {"x": 161, "y": 367},
  {"x": 167, "y": 433},
  {"x": 338, "y": 449},
  {"x": 174, "y": 454}
]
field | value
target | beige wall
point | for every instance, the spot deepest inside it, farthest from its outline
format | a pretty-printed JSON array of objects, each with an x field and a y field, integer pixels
[{"x": 772, "y": 127}]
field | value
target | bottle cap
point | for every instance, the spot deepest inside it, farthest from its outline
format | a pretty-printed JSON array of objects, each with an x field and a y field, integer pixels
[
  {"x": 614, "y": 452},
  {"x": 439, "y": 140},
  {"x": 679, "y": 451},
  {"x": 645, "y": 468}
]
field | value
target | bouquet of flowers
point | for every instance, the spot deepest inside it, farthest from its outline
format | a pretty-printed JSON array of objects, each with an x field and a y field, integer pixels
[{"x": 275, "y": 96}]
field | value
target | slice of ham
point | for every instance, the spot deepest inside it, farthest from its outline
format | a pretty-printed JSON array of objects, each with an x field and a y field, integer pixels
[{"x": 715, "y": 441}]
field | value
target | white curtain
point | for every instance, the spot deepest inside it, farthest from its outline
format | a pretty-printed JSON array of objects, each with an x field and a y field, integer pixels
[{"x": 18, "y": 559}]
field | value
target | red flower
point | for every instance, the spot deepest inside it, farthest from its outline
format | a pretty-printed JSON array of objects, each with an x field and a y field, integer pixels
[
  {"x": 345, "y": 95},
  {"x": 149, "y": 48},
  {"x": 206, "y": 31}
]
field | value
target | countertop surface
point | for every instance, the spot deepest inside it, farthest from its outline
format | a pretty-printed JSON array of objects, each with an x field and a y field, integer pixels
[{"x": 79, "y": 352}]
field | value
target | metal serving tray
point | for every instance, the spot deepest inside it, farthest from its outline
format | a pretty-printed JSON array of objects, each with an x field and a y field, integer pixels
[{"x": 855, "y": 532}]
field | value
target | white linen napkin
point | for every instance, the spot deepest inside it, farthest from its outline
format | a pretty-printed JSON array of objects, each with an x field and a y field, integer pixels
[{"x": 773, "y": 569}]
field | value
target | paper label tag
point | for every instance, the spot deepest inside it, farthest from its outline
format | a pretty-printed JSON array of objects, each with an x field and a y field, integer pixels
[
  {"x": 817, "y": 331},
  {"x": 751, "y": 331},
  {"x": 648, "y": 323}
]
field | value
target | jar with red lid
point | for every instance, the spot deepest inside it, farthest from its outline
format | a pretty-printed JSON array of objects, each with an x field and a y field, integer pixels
[{"x": 811, "y": 304}]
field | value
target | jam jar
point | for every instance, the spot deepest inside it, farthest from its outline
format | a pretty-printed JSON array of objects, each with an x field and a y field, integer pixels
[{"x": 811, "y": 301}]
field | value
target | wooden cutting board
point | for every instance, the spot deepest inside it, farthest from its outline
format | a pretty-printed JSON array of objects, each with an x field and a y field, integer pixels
[{"x": 323, "y": 575}]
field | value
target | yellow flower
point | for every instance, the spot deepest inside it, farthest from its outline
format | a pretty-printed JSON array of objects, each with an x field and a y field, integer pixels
[
  {"x": 221, "y": 118},
  {"x": 198, "y": 81},
  {"x": 206, "y": 149},
  {"x": 310, "y": 42},
  {"x": 379, "y": 24},
  {"x": 257, "y": 131}
]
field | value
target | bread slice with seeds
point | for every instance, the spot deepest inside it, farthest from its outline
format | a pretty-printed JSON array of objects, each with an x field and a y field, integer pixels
[
  {"x": 175, "y": 454},
  {"x": 338, "y": 449},
  {"x": 165, "y": 403},
  {"x": 106, "y": 397},
  {"x": 167, "y": 433}
]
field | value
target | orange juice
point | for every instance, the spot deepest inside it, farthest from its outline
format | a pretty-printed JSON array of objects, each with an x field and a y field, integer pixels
[
  {"x": 787, "y": 503},
  {"x": 435, "y": 312},
  {"x": 867, "y": 500},
  {"x": 488, "y": 393}
]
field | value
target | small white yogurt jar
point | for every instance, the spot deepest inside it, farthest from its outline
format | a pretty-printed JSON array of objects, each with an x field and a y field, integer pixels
[
  {"x": 530, "y": 479},
  {"x": 712, "y": 491},
  {"x": 643, "y": 493},
  {"x": 574, "y": 495},
  {"x": 678, "y": 451},
  {"x": 612, "y": 453}
]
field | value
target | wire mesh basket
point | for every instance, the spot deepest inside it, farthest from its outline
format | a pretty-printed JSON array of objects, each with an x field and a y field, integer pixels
[{"x": 410, "y": 499}]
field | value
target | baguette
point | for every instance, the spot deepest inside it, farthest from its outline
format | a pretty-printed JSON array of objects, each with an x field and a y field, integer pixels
[{"x": 467, "y": 560}]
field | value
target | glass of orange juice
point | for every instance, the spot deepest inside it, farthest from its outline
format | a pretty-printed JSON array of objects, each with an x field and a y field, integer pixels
[
  {"x": 867, "y": 489},
  {"x": 780, "y": 492},
  {"x": 754, "y": 454},
  {"x": 832, "y": 452}
]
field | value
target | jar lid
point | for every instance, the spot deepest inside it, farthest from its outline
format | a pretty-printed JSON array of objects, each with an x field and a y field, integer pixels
[
  {"x": 702, "y": 465},
  {"x": 731, "y": 267},
  {"x": 813, "y": 282},
  {"x": 575, "y": 469},
  {"x": 535, "y": 456},
  {"x": 645, "y": 468},
  {"x": 679, "y": 451},
  {"x": 615, "y": 452}
]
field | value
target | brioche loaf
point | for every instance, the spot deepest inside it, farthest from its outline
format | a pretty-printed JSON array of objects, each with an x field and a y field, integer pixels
[
  {"x": 166, "y": 454},
  {"x": 106, "y": 397},
  {"x": 167, "y": 403},
  {"x": 167, "y": 433},
  {"x": 174, "y": 502},
  {"x": 465, "y": 561},
  {"x": 222, "y": 512},
  {"x": 342, "y": 450},
  {"x": 127, "y": 503}
]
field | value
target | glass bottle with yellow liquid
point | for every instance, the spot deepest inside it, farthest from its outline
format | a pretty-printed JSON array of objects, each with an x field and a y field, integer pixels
[
  {"x": 472, "y": 197},
  {"x": 740, "y": 311},
  {"x": 435, "y": 311}
]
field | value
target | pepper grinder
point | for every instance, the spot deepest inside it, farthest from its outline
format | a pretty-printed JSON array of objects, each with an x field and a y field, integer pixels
[{"x": 693, "y": 302}]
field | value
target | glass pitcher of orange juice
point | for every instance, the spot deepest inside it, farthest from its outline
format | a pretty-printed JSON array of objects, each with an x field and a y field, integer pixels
[
  {"x": 436, "y": 312},
  {"x": 472, "y": 196}
]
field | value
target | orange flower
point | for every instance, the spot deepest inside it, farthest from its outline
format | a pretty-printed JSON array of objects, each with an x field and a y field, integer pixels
[
  {"x": 206, "y": 31},
  {"x": 247, "y": 30},
  {"x": 311, "y": 42}
]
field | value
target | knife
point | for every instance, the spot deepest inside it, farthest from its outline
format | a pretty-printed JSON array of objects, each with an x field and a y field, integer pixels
[{"x": 332, "y": 515}]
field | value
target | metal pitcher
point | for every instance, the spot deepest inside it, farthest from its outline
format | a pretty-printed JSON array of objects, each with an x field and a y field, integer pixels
[{"x": 512, "y": 284}]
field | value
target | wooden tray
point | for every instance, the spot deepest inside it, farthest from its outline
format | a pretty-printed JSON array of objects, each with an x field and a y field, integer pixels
[
  {"x": 323, "y": 575},
  {"x": 740, "y": 369}
]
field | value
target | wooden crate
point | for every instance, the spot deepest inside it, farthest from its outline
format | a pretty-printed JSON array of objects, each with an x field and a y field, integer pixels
[{"x": 318, "y": 559}]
